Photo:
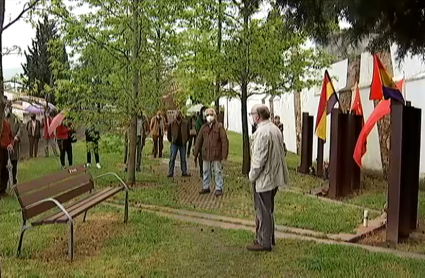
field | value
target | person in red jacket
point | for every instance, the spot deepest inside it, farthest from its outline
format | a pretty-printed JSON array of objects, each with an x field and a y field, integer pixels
[
  {"x": 6, "y": 145},
  {"x": 63, "y": 134}
]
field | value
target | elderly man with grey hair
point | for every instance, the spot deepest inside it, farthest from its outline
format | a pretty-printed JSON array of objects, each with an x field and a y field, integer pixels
[
  {"x": 212, "y": 140},
  {"x": 268, "y": 172}
]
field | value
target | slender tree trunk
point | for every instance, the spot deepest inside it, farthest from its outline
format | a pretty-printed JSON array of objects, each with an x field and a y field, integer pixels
[
  {"x": 246, "y": 164},
  {"x": 298, "y": 125},
  {"x": 158, "y": 65},
  {"x": 218, "y": 81},
  {"x": 135, "y": 92},
  {"x": 2, "y": 104}
]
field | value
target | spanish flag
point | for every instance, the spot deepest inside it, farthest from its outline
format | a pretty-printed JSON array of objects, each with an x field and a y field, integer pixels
[
  {"x": 328, "y": 99},
  {"x": 383, "y": 85}
]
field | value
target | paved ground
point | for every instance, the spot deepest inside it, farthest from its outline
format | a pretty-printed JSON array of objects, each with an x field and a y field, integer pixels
[{"x": 188, "y": 192}]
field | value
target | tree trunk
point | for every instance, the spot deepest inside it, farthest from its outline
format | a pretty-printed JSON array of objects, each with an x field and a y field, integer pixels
[
  {"x": 384, "y": 126},
  {"x": 217, "y": 80},
  {"x": 298, "y": 126},
  {"x": 131, "y": 178},
  {"x": 246, "y": 164},
  {"x": 2, "y": 104}
]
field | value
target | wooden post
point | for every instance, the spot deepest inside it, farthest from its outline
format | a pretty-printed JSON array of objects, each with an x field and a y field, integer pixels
[
  {"x": 320, "y": 150},
  {"x": 306, "y": 144},
  {"x": 403, "y": 182}
]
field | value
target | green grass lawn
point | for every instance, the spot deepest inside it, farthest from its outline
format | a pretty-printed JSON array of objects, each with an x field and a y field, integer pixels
[
  {"x": 154, "y": 188},
  {"x": 154, "y": 246}
]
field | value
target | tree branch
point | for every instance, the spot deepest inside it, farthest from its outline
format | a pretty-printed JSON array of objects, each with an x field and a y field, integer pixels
[{"x": 24, "y": 10}]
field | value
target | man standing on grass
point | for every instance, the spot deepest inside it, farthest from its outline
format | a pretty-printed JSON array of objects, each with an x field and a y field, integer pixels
[
  {"x": 178, "y": 135},
  {"x": 268, "y": 172},
  {"x": 212, "y": 140},
  {"x": 34, "y": 134},
  {"x": 6, "y": 146},
  {"x": 157, "y": 128}
]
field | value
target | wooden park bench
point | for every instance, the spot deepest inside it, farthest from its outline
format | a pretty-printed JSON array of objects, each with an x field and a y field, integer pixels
[{"x": 41, "y": 195}]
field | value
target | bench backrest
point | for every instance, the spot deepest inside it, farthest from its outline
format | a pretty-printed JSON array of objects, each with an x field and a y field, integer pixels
[{"x": 62, "y": 186}]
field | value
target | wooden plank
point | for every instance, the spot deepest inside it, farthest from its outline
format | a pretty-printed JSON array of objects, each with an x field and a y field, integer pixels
[
  {"x": 87, "y": 205},
  {"x": 55, "y": 189},
  {"x": 52, "y": 218},
  {"x": 36, "y": 210},
  {"x": 28, "y": 186}
]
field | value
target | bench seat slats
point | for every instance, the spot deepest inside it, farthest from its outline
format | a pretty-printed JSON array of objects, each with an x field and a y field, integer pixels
[
  {"x": 31, "y": 185},
  {"x": 81, "y": 206},
  {"x": 63, "y": 198}
]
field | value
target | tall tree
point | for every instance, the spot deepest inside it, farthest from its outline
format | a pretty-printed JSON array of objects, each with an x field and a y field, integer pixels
[
  {"x": 393, "y": 21},
  {"x": 28, "y": 6},
  {"x": 267, "y": 56},
  {"x": 38, "y": 72}
]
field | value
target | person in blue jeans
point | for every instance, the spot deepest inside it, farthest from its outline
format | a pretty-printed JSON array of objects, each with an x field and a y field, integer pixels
[
  {"x": 178, "y": 134},
  {"x": 212, "y": 140}
]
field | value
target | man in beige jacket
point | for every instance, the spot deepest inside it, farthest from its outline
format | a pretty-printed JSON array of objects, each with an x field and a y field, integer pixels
[{"x": 268, "y": 172}]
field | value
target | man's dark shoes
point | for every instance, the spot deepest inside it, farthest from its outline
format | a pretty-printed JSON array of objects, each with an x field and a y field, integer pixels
[
  {"x": 3, "y": 193},
  {"x": 138, "y": 170},
  {"x": 186, "y": 175},
  {"x": 205, "y": 191},
  {"x": 170, "y": 176},
  {"x": 258, "y": 247},
  {"x": 218, "y": 193}
]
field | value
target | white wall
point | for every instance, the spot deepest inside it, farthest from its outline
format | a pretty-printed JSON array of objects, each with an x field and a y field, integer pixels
[{"x": 412, "y": 67}]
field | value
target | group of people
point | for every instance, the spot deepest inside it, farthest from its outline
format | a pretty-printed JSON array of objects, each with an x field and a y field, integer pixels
[{"x": 268, "y": 166}]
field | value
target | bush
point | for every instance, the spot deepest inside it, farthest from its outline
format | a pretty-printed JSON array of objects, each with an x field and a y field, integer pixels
[{"x": 112, "y": 143}]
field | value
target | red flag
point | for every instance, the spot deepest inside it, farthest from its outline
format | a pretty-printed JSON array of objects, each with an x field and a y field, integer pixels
[
  {"x": 382, "y": 109},
  {"x": 357, "y": 104},
  {"x": 400, "y": 84},
  {"x": 376, "y": 86},
  {"x": 358, "y": 110}
]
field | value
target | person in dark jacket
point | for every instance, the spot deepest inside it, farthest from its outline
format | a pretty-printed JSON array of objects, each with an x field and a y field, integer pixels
[
  {"x": 200, "y": 121},
  {"x": 178, "y": 135},
  {"x": 92, "y": 144},
  {"x": 212, "y": 139},
  {"x": 6, "y": 146}
]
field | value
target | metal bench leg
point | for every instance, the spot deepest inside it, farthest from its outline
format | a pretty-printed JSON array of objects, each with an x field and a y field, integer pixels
[
  {"x": 85, "y": 214},
  {"x": 21, "y": 238},
  {"x": 71, "y": 241},
  {"x": 126, "y": 207}
]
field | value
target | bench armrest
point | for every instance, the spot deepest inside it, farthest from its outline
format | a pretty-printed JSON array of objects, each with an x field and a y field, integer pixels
[
  {"x": 59, "y": 205},
  {"x": 115, "y": 175}
]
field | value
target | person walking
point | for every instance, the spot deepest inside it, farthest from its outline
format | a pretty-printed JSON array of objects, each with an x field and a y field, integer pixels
[
  {"x": 280, "y": 126},
  {"x": 212, "y": 139},
  {"x": 178, "y": 135},
  {"x": 65, "y": 137},
  {"x": 16, "y": 132},
  {"x": 34, "y": 134},
  {"x": 193, "y": 133},
  {"x": 157, "y": 128},
  {"x": 92, "y": 145},
  {"x": 49, "y": 139},
  {"x": 200, "y": 121},
  {"x": 6, "y": 145},
  {"x": 268, "y": 172}
]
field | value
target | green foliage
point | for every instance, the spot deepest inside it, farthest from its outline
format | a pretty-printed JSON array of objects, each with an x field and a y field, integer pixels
[
  {"x": 112, "y": 144},
  {"x": 46, "y": 59},
  {"x": 383, "y": 22}
]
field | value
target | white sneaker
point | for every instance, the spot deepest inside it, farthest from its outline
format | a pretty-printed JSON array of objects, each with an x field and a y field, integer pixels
[
  {"x": 98, "y": 166},
  {"x": 88, "y": 165}
]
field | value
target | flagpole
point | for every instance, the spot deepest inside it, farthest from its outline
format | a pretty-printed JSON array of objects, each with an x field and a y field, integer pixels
[{"x": 404, "y": 85}]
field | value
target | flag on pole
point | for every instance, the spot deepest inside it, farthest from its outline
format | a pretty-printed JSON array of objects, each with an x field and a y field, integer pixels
[
  {"x": 382, "y": 109},
  {"x": 358, "y": 110},
  {"x": 401, "y": 86},
  {"x": 383, "y": 85},
  {"x": 328, "y": 99},
  {"x": 357, "y": 104}
]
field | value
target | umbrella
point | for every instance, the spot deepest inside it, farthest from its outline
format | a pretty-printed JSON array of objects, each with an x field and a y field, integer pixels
[
  {"x": 57, "y": 120},
  {"x": 9, "y": 167},
  {"x": 37, "y": 108}
]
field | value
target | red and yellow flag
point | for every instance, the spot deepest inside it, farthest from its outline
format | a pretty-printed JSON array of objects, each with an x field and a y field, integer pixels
[
  {"x": 383, "y": 85},
  {"x": 328, "y": 99}
]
